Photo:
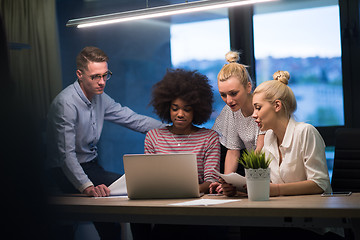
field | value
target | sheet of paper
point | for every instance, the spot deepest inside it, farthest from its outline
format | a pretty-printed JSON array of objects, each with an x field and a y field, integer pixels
[
  {"x": 235, "y": 179},
  {"x": 124, "y": 197},
  {"x": 118, "y": 188},
  {"x": 204, "y": 202}
]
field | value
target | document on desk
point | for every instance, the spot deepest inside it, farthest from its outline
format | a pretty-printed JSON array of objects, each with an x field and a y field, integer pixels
[
  {"x": 235, "y": 179},
  {"x": 205, "y": 202},
  {"x": 118, "y": 188}
]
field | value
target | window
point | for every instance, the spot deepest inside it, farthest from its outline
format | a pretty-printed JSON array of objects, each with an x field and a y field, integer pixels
[
  {"x": 303, "y": 38},
  {"x": 202, "y": 46},
  {"x": 306, "y": 43}
]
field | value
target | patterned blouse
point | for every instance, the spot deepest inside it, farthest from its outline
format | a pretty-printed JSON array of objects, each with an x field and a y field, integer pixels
[{"x": 236, "y": 131}]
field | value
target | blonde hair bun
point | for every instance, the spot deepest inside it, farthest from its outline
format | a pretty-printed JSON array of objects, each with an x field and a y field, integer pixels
[
  {"x": 282, "y": 76},
  {"x": 232, "y": 57}
]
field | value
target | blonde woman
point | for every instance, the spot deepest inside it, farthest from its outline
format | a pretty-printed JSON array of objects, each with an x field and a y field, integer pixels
[
  {"x": 297, "y": 151},
  {"x": 235, "y": 125}
]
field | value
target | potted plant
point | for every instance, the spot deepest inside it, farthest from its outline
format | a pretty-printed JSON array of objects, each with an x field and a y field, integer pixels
[{"x": 257, "y": 174}]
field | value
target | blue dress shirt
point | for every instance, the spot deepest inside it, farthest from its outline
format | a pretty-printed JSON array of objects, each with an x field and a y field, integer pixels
[{"x": 75, "y": 125}]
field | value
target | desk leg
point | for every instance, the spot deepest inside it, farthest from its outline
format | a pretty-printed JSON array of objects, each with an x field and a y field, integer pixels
[
  {"x": 356, "y": 228},
  {"x": 126, "y": 231}
]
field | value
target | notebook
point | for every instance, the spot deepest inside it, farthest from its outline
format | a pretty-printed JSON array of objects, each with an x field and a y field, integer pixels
[{"x": 152, "y": 176}]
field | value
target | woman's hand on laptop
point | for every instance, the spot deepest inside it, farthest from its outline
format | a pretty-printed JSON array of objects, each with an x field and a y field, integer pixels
[{"x": 98, "y": 191}]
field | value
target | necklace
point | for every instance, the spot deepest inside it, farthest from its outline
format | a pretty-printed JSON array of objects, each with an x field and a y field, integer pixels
[{"x": 183, "y": 141}]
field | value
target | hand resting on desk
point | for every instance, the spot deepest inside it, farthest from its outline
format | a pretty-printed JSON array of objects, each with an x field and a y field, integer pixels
[
  {"x": 98, "y": 191},
  {"x": 215, "y": 188},
  {"x": 227, "y": 188}
]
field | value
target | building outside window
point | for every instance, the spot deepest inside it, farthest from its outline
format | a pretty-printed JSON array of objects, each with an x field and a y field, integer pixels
[{"x": 305, "y": 42}]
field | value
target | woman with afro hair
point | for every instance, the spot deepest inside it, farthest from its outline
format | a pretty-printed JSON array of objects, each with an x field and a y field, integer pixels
[{"x": 184, "y": 99}]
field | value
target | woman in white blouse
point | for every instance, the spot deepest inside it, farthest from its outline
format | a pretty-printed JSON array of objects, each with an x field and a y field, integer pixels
[{"x": 297, "y": 150}]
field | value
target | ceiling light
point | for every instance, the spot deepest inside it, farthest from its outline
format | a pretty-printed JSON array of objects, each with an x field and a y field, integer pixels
[{"x": 154, "y": 12}]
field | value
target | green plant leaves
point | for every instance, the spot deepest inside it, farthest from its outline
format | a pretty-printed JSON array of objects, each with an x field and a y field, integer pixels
[{"x": 251, "y": 159}]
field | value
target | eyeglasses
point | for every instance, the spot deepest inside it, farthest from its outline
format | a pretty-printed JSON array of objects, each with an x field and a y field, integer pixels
[{"x": 106, "y": 76}]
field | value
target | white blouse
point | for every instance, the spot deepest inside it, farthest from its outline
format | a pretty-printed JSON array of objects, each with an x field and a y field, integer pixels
[{"x": 303, "y": 155}]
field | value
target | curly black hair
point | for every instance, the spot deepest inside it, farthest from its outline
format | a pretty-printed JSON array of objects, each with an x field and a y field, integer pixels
[{"x": 191, "y": 87}]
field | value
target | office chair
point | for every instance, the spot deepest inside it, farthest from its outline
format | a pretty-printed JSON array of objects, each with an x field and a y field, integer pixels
[{"x": 346, "y": 171}]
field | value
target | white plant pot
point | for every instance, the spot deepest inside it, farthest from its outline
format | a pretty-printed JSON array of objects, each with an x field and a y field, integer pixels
[{"x": 258, "y": 184}]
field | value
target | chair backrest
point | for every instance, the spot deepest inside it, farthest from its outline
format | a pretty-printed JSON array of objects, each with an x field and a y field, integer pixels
[{"x": 346, "y": 171}]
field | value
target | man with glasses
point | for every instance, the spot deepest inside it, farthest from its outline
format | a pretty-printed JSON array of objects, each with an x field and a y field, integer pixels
[{"x": 75, "y": 122}]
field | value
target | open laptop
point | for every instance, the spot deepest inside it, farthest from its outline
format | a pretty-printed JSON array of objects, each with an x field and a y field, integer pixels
[{"x": 151, "y": 176}]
